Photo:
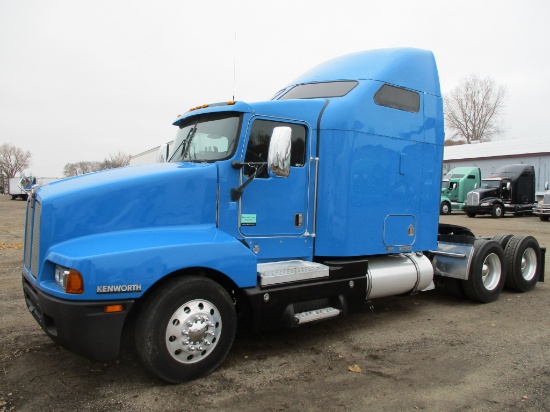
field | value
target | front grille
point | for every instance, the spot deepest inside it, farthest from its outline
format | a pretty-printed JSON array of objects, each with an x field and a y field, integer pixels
[
  {"x": 32, "y": 236},
  {"x": 547, "y": 199},
  {"x": 473, "y": 199}
]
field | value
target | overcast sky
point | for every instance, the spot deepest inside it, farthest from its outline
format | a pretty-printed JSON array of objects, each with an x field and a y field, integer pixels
[{"x": 80, "y": 80}]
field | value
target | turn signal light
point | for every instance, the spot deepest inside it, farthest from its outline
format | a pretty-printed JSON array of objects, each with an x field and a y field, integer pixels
[{"x": 75, "y": 283}]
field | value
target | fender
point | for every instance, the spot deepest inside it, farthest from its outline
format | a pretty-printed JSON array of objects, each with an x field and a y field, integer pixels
[{"x": 134, "y": 260}]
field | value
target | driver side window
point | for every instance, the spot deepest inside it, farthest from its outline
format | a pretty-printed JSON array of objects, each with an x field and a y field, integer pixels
[{"x": 258, "y": 145}]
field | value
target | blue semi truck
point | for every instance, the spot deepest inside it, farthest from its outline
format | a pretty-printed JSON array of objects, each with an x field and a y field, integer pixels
[{"x": 276, "y": 213}]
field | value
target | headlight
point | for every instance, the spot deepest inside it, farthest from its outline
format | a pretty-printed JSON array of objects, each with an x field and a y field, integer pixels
[
  {"x": 485, "y": 204},
  {"x": 69, "y": 280}
]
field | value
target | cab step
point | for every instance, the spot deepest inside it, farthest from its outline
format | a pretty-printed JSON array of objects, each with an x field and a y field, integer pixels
[
  {"x": 317, "y": 314},
  {"x": 275, "y": 273}
]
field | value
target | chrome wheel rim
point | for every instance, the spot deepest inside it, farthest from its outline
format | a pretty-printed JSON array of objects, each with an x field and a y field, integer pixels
[
  {"x": 193, "y": 331},
  {"x": 529, "y": 264},
  {"x": 491, "y": 271}
]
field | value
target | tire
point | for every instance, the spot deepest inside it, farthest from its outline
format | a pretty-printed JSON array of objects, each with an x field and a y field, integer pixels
[
  {"x": 502, "y": 239},
  {"x": 471, "y": 214},
  {"x": 185, "y": 329},
  {"x": 544, "y": 218},
  {"x": 445, "y": 208},
  {"x": 523, "y": 263},
  {"x": 487, "y": 272},
  {"x": 498, "y": 211}
]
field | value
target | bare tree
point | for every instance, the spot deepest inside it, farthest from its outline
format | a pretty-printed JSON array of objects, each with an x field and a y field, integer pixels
[
  {"x": 80, "y": 168},
  {"x": 118, "y": 160},
  {"x": 12, "y": 161},
  {"x": 473, "y": 109}
]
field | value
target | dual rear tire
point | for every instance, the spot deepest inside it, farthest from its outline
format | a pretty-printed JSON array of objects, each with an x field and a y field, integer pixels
[{"x": 507, "y": 261}]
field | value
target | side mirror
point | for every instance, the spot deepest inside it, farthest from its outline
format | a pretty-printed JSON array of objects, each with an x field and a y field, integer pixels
[
  {"x": 508, "y": 186},
  {"x": 162, "y": 154},
  {"x": 278, "y": 156},
  {"x": 475, "y": 186},
  {"x": 546, "y": 186}
]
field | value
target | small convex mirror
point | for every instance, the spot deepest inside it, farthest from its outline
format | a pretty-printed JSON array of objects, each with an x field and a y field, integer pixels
[
  {"x": 546, "y": 186},
  {"x": 162, "y": 154},
  {"x": 278, "y": 156}
]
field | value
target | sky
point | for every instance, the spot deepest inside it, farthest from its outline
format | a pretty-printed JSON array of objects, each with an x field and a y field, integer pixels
[{"x": 82, "y": 80}]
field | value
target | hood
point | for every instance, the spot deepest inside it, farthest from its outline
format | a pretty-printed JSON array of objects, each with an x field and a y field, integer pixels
[
  {"x": 487, "y": 192},
  {"x": 165, "y": 194}
]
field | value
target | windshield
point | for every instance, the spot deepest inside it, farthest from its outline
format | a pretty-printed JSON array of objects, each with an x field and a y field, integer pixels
[
  {"x": 444, "y": 184},
  {"x": 485, "y": 184},
  {"x": 206, "y": 138}
]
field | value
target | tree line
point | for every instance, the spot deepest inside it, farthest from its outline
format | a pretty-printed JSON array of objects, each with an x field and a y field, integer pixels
[{"x": 13, "y": 160}]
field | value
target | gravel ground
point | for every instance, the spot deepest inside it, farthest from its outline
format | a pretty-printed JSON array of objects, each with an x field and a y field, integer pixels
[{"x": 429, "y": 351}]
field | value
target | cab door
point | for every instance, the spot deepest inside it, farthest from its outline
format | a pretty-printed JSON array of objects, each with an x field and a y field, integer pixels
[{"x": 273, "y": 212}]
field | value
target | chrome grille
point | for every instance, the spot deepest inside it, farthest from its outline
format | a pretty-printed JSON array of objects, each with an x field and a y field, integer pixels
[
  {"x": 28, "y": 232},
  {"x": 472, "y": 199},
  {"x": 32, "y": 236},
  {"x": 35, "y": 250},
  {"x": 547, "y": 199}
]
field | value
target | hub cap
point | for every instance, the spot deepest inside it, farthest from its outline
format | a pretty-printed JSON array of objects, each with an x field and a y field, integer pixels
[
  {"x": 529, "y": 264},
  {"x": 193, "y": 331},
  {"x": 491, "y": 271}
]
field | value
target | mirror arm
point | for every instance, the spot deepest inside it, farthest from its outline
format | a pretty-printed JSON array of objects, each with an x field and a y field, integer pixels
[{"x": 236, "y": 193}]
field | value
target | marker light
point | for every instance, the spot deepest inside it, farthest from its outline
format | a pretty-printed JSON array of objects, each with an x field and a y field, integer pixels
[
  {"x": 70, "y": 280},
  {"x": 113, "y": 308}
]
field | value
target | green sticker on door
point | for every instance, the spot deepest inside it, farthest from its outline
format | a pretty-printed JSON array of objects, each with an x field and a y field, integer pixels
[{"x": 248, "y": 219}]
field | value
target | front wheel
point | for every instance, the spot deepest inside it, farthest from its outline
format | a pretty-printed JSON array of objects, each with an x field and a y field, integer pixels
[
  {"x": 185, "y": 329},
  {"x": 487, "y": 272},
  {"x": 498, "y": 211},
  {"x": 544, "y": 218},
  {"x": 445, "y": 208},
  {"x": 523, "y": 263},
  {"x": 471, "y": 214}
]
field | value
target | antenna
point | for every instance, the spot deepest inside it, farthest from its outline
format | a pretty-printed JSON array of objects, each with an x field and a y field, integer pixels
[{"x": 234, "y": 63}]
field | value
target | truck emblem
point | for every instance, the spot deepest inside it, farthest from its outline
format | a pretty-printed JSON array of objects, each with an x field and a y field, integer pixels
[{"x": 118, "y": 288}]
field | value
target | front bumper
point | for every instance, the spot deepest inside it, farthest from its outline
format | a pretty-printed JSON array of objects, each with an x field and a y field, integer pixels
[
  {"x": 81, "y": 327},
  {"x": 478, "y": 210},
  {"x": 542, "y": 211}
]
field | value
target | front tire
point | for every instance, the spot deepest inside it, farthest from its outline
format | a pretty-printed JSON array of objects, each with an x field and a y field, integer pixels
[
  {"x": 445, "y": 208},
  {"x": 523, "y": 263},
  {"x": 498, "y": 211},
  {"x": 487, "y": 272},
  {"x": 544, "y": 218},
  {"x": 185, "y": 329},
  {"x": 471, "y": 214}
]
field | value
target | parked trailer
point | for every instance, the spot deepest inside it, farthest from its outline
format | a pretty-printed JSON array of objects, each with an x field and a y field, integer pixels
[{"x": 276, "y": 213}]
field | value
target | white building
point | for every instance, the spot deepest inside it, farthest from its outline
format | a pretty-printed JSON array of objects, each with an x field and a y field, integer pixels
[{"x": 492, "y": 155}]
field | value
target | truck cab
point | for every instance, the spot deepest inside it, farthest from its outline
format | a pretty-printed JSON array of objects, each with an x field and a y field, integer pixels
[
  {"x": 511, "y": 189},
  {"x": 276, "y": 213},
  {"x": 456, "y": 185}
]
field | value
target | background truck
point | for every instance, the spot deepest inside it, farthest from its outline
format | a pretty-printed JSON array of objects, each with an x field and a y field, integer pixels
[
  {"x": 542, "y": 209},
  {"x": 273, "y": 214},
  {"x": 510, "y": 189},
  {"x": 455, "y": 187},
  {"x": 15, "y": 190}
]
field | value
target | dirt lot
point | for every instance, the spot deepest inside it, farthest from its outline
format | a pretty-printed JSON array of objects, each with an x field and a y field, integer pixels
[{"x": 428, "y": 351}]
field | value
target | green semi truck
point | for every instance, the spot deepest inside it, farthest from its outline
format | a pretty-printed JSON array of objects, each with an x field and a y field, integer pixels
[{"x": 455, "y": 187}]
